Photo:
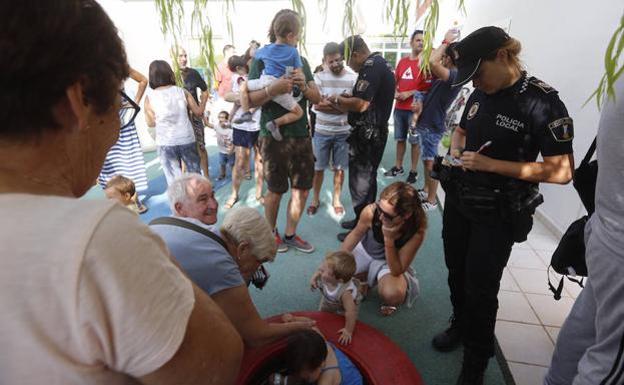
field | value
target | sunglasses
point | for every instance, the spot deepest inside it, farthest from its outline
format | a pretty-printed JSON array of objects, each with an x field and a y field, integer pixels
[
  {"x": 385, "y": 214},
  {"x": 128, "y": 110}
]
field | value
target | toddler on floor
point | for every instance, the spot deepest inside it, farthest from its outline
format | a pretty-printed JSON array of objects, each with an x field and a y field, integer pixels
[
  {"x": 340, "y": 291},
  {"x": 122, "y": 190}
]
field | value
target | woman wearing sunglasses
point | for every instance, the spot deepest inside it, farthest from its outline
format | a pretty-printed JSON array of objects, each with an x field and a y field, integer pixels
[{"x": 384, "y": 243}]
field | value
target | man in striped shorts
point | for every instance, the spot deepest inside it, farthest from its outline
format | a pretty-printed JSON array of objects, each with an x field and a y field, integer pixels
[{"x": 332, "y": 128}]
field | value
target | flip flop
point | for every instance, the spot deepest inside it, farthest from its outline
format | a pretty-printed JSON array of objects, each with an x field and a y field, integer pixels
[
  {"x": 339, "y": 210},
  {"x": 230, "y": 202},
  {"x": 312, "y": 209},
  {"x": 387, "y": 310},
  {"x": 248, "y": 176}
]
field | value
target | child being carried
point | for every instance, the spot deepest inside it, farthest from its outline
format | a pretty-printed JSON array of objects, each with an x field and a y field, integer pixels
[{"x": 279, "y": 58}]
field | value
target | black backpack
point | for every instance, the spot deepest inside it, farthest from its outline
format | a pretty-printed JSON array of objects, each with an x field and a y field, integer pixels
[{"x": 569, "y": 257}]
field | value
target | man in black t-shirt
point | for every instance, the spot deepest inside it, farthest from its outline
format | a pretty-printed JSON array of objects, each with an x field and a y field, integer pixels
[
  {"x": 369, "y": 108},
  {"x": 192, "y": 81}
]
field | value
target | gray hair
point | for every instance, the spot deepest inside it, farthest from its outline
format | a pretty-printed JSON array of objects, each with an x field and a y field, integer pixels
[
  {"x": 245, "y": 224},
  {"x": 177, "y": 192}
]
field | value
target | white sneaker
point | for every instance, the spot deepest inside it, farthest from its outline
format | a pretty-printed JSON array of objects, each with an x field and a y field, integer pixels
[
  {"x": 423, "y": 195},
  {"x": 428, "y": 206}
]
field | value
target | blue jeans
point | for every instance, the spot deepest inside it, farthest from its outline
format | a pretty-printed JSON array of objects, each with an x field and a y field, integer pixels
[
  {"x": 335, "y": 146},
  {"x": 226, "y": 159},
  {"x": 402, "y": 120},
  {"x": 172, "y": 156}
]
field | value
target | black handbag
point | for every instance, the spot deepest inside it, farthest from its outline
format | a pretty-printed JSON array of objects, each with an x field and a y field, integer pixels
[{"x": 569, "y": 257}]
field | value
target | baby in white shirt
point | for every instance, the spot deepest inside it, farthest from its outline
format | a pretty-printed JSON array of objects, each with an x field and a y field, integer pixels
[{"x": 340, "y": 291}]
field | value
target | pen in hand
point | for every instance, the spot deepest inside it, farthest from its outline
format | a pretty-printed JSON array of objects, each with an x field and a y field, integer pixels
[{"x": 484, "y": 146}]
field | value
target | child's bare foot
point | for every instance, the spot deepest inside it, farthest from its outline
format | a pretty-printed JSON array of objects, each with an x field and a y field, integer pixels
[{"x": 274, "y": 130}]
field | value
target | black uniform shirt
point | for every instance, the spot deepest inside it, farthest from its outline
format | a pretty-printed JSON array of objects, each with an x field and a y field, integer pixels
[
  {"x": 521, "y": 121},
  {"x": 193, "y": 81},
  {"x": 375, "y": 84}
]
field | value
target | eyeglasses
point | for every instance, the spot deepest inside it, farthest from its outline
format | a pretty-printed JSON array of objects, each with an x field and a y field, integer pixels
[
  {"x": 385, "y": 214},
  {"x": 128, "y": 110}
]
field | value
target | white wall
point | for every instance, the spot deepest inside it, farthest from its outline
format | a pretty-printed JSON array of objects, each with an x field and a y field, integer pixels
[{"x": 563, "y": 44}]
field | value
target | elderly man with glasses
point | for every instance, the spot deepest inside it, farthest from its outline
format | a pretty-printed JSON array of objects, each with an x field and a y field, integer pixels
[{"x": 222, "y": 261}]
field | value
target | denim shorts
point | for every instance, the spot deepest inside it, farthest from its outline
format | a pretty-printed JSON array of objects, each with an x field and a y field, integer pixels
[
  {"x": 334, "y": 146},
  {"x": 226, "y": 159},
  {"x": 402, "y": 120},
  {"x": 429, "y": 141},
  {"x": 242, "y": 138}
]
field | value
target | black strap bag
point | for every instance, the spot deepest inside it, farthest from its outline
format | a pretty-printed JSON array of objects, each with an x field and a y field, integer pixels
[{"x": 569, "y": 257}]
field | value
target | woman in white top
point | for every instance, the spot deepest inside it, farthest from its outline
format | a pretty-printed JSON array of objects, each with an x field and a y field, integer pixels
[
  {"x": 88, "y": 294},
  {"x": 166, "y": 108}
]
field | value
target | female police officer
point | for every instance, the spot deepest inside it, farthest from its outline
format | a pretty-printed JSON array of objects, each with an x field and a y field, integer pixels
[{"x": 492, "y": 192}]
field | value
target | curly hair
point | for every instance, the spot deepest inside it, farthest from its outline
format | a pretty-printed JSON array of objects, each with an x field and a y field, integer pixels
[{"x": 46, "y": 47}]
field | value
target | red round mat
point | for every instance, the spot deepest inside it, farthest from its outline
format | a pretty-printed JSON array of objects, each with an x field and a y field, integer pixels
[{"x": 380, "y": 360}]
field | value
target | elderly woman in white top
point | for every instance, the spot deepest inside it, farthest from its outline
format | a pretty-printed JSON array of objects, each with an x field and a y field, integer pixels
[
  {"x": 88, "y": 294},
  {"x": 166, "y": 108}
]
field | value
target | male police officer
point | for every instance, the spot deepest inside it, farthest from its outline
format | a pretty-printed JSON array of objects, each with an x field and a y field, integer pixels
[{"x": 369, "y": 109}]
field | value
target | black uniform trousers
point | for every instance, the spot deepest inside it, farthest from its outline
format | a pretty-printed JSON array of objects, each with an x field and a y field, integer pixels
[
  {"x": 477, "y": 246},
  {"x": 364, "y": 160}
]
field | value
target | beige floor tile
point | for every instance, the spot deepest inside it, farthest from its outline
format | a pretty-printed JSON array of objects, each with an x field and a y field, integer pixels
[
  {"x": 572, "y": 288},
  {"x": 545, "y": 256},
  {"x": 515, "y": 307},
  {"x": 524, "y": 343},
  {"x": 543, "y": 242},
  {"x": 530, "y": 280},
  {"x": 549, "y": 311},
  {"x": 524, "y": 374},
  {"x": 526, "y": 258},
  {"x": 553, "y": 332},
  {"x": 508, "y": 283}
]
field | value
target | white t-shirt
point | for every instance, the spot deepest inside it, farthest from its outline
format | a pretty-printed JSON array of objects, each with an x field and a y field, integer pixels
[
  {"x": 224, "y": 139},
  {"x": 173, "y": 126},
  {"x": 330, "y": 84},
  {"x": 247, "y": 126},
  {"x": 88, "y": 294}
]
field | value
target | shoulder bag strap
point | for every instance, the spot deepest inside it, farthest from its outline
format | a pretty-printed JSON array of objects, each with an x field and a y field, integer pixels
[
  {"x": 172, "y": 221},
  {"x": 590, "y": 152}
]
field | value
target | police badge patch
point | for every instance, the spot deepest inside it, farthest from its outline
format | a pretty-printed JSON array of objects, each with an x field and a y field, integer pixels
[
  {"x": 562, "y": 129},
  {"x": 362, "y": 85},
  {"x": 473, "y": 110}
]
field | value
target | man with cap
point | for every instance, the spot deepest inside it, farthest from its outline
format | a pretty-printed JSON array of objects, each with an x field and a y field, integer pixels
[
  {"x": 491, "y": 183},
  {"x": 369, "y": 108}
]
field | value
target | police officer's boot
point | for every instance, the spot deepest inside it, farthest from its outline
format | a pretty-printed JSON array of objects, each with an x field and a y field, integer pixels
[
  {"x": 473, "y": 369},
  {"x": 450, "y": 338}
]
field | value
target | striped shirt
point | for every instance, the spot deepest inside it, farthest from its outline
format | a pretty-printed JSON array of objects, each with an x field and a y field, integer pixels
[{"x": 330, "y": 84}]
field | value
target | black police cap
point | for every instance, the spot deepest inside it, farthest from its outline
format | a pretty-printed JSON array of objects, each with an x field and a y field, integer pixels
[{"x": 474, "y": 48}]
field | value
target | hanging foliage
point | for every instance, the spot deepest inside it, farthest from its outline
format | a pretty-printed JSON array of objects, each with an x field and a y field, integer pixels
[{"x": 398, "y": 11}]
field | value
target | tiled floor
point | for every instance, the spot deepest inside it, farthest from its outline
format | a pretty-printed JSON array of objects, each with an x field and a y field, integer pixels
[{"x": 529, "y": 318}]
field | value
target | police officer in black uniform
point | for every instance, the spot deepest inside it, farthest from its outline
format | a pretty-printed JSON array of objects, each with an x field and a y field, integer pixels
[
  {"x": 369, "y": 108},
  {"x": 491, "y": 181}
]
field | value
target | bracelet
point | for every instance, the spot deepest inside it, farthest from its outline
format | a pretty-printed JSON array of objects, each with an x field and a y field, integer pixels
[{"x": 266, "y": 91}]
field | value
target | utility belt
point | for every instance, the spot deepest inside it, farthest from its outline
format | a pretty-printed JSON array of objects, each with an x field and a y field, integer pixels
[
  {"x": 514, "y": 203},
  {"x": 367, "y": 138}
]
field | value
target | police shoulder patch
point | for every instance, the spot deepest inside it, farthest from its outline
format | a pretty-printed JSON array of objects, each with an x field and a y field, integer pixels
[
  {"x": 543, "y": 86},
  {"x": 361, "y": 85},
  {"x": 562, "y": 129},
  {"x": 369, "y": 62}
]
